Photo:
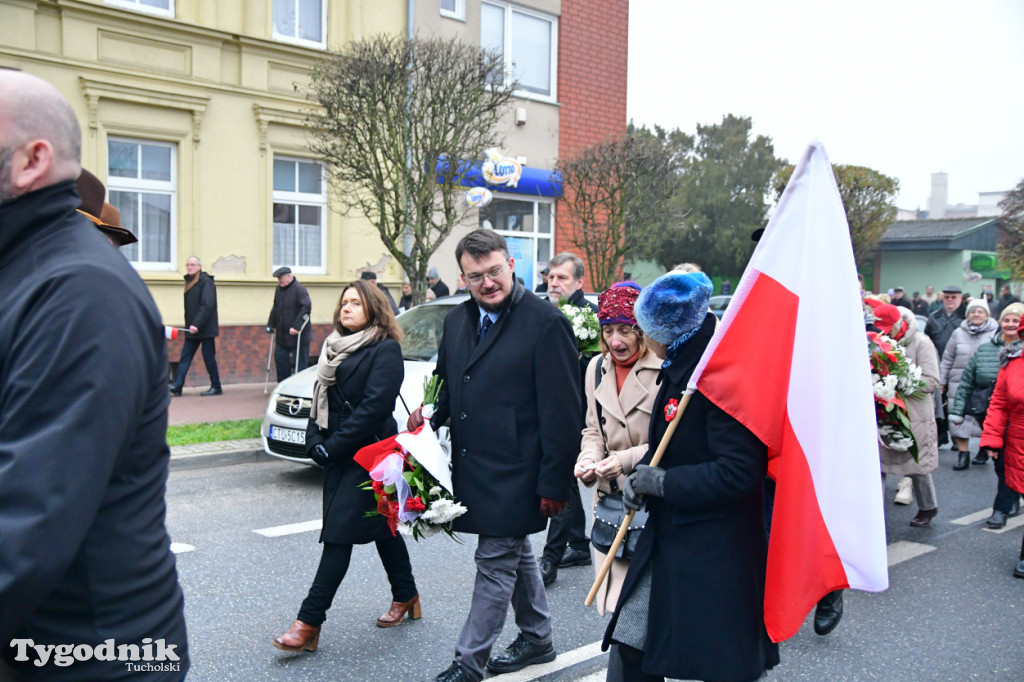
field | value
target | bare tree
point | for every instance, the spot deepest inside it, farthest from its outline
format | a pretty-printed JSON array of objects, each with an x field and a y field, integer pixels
[
  {"x": 617, "y": 193},
  {"x": 399, "y": 123}
]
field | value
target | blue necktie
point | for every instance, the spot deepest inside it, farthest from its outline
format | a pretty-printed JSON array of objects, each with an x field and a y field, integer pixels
[{"x": 485, "y": 324}]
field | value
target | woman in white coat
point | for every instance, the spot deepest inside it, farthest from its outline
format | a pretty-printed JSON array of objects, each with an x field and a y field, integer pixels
[{"x": 620, "y": 391}]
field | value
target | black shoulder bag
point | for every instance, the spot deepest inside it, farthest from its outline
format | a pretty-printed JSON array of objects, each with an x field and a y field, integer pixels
[{"x": 609, "y": 510}]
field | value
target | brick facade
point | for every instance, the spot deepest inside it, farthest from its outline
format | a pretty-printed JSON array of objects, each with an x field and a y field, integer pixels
[
  {"x": 592, "y": 59},
  {"x": 241, "y": 355}
]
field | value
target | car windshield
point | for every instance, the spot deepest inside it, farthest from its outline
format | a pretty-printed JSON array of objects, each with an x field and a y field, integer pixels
[{"x": 421, "y": 329}]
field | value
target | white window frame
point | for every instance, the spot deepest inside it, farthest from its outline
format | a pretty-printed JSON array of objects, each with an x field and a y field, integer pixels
[
  {"x": 553, "y": 57},
  {"x": 459, "y": 12},
  {"x": 295, "y": 40},
  {"x": 141, "y": 186},
  {"x": 301, "y": 199},
  {"x": 137, "y": 6},
  {"x": 535, "y": 235}
]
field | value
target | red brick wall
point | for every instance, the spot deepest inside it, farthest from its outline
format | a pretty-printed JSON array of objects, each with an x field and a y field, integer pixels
[
  {"x": 241, "y": 355},
  {"x": 592, "y": 57}
]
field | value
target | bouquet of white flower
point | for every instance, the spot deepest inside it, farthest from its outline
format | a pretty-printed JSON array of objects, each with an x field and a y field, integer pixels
[
  {"x": 894, "y": 379},
  {"x": 585, "y": 327}
]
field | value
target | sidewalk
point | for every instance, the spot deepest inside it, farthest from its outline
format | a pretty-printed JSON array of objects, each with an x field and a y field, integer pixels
[{"x": 239, "y": 401}]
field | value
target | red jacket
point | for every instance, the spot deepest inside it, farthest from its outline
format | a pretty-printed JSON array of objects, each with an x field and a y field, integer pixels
[{"x": 1004, "y": 421}]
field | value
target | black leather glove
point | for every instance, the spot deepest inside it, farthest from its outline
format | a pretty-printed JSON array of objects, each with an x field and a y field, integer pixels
[
  {"x": 645, "y": 480},
  {"x": 318, "y": 453}
]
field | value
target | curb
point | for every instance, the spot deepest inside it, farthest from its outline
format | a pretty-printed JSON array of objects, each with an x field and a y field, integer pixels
[{"x": 214, "y": 454}]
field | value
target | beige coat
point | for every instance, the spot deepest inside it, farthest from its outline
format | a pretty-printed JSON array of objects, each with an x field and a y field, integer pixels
[
  {"x": 627, "y": 416},
  {"x": 921, "y": 352}
]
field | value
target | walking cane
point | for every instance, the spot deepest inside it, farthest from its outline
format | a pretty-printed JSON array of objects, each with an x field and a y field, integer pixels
[
  {"x": 298, "y": 342},
  {"x": 621, "y": 535},
  {"x": 270, "y": 354}
]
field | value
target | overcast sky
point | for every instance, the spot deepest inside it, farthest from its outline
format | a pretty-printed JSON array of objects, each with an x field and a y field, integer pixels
[{"x": 907, "y": 87}]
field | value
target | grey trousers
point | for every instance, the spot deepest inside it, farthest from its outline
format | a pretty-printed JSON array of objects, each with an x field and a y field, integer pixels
[
  {"x": 506, "y": 573},
  {"x": 924, "y": 491}
]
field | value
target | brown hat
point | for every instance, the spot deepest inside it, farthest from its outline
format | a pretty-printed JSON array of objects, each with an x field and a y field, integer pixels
[{"x": 104, "y": 215}]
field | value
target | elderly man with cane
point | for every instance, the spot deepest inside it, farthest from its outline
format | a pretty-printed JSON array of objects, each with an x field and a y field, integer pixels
[
  {"x": 287, "y": 321},
  {"x": 691, "y": 605}
]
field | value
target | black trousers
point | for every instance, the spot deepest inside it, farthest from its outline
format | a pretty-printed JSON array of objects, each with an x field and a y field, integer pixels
[
  {"x": 1005, "y": 496},
  {"x": 284, "y": 357},
  {"x": 334, "y": 565},
  {"x": 568, "y": 528},
  {"x": 188, "y": 351}
]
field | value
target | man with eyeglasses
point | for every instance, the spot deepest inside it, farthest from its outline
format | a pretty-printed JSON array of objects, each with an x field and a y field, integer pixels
[
  {"x": 567, "y": 543},
  {"x": 510, "y": 369},
  {"x": 941, "y": 325}
]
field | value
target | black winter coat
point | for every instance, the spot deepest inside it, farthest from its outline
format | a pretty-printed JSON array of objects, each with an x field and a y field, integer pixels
[
  {"x": 941, "y": 326},
  {"x": 705, "y": 540},
  {"x": 515, "y": 405},
  {"x": 201, "y": 308},
  {"x": 290, "y": 304},
  {"x": 360, "y": 407},
  {"x": 84, "y": 552}
]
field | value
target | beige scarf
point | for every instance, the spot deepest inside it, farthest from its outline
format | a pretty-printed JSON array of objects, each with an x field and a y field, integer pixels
[{"x": 335, "y": 349}]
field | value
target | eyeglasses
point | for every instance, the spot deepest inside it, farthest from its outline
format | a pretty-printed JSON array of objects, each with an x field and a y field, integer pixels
[{"x": 493, "y": 274}]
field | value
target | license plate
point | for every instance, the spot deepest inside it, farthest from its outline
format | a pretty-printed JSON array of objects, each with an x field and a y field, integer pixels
[{"x": 288, "y": 435}]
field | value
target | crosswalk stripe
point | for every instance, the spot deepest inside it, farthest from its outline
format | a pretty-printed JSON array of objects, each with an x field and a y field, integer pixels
[
  {"x": 181, "y": 548},
  {"x": 1015, "y": 522},
  {"x": 290, "y": 529},
  {"x": 972, "y": 518},
  {"x": 565, "y": 660},
  {"x": 903, "y": 550}
]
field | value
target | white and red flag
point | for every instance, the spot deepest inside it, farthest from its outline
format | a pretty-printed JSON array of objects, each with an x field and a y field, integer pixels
[{"x": 790, "y": 362}]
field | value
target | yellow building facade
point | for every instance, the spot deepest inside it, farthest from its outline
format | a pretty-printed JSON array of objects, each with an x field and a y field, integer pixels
[{"x": 192, "y": 115}]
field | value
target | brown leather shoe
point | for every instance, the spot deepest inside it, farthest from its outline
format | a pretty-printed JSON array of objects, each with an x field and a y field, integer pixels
[
  {"x": 396, "y": 614},
  {"x": 300, "y": 637},
  {"x": 924, "y": 517}
]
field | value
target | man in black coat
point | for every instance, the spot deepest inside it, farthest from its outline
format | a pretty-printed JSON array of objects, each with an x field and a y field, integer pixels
[
  {"x": 85, "y": 558},
  {"x": 510, "y": 370},
  {"x": 567, "y": 543},
  {"x": 940, "y": 326},
  {"x": 289, "y": 319},
  {"x": 435, "y": 283},
  {"x": 203, "y": 329}
]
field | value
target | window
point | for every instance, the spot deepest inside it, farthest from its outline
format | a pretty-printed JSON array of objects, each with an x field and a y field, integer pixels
[
  {"x": 528, "y": 228},
  {"x": 142, "y": 182},
  {"x": 528, "y": 42},
  {"x": 162, "y": 7},
  {"x": 300, "y": 21},
  {"x": 453, "y": 9},
  {"x": 300, "y": 206}
]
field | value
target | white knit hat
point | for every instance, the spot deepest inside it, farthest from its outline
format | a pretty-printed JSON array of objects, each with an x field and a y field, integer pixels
[{"x": 977, "y": 303}]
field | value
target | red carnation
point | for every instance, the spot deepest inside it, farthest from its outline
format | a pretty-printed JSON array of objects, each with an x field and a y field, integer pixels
[{"x": 415, "y": 504}]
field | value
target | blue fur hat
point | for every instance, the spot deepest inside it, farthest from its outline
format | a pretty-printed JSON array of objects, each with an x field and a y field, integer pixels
[{"x": 673, "y": 305}]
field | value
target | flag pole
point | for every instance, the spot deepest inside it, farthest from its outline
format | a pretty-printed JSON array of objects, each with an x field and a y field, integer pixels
[{"x": 602, "y": 573}]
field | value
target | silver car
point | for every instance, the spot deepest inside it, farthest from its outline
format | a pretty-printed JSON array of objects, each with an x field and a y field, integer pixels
[{"x": 284, "y": 422}]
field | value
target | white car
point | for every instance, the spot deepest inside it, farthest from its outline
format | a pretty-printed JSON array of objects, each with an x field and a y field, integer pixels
[{"x": 284, "y": 422}]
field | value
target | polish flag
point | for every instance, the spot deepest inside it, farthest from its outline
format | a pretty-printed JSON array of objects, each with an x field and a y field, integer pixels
[
  {"x": 790, "y": 362},
  {"x": 174, "y": 333}
]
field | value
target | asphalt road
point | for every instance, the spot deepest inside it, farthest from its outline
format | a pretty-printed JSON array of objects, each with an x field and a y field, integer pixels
[{"x": 953, "y": 610}]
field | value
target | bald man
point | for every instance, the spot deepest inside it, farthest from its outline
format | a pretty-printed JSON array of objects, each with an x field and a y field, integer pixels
[{"x": 85, "y": 558}]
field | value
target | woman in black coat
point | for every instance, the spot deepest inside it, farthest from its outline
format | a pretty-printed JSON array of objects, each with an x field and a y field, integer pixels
[
  {"x": 692, "y": 602},
  {"x": 358, "y": 379}
]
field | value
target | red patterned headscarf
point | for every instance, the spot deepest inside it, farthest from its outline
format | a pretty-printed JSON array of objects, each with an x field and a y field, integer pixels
[{"x": 615, "y": 305}]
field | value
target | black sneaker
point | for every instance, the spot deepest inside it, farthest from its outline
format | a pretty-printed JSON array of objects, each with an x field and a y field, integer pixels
[
  {"x": 520, "y": 654},
  {"x": 548, "y": 571},
  {"x": 455, "y": 673},
  {"x": 575, "y": 557}
]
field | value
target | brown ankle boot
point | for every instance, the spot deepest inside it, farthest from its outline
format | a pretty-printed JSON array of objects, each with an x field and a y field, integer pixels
[
  {"x": 300, "y": 637},
  {"x": 396, "y": 613}
]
